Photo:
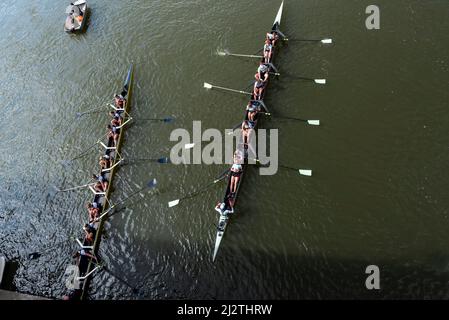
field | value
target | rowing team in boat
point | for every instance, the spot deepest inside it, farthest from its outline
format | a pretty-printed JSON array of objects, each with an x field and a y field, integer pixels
[
  {"x": 101, "y": 182},
  {"x": 262, "y": 74},
  {"x": 253, "y": 109}
]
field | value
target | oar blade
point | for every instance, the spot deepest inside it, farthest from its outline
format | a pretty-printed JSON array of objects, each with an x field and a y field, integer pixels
[
  {"x": 163, "y": 160},
  {"x": 168, "y": 119},
  {"x": 207, "y": 85},
  {"x": 305, "y": 172},
  {"x": 34, "y": 255},
  {"x": 326, "y": 41},
  {"x": 320, "y": 81},
  {"x": 173, "y": 203},
  {"x": 189, "y": 146},
  {"x": 313, "y": 122},
  {"x": 152, "y": 183}
]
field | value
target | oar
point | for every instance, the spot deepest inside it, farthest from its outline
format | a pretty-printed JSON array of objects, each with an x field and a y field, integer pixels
[
  {"x": 197, "y": 192},
  {"x": 325, "y": 41},
  {"x": 37, "y": 254},
  {"x": 75, "y": 188},
  {"x": 227, "y": 53},
  {"x": 162, "y": 160},
  {"x": 150, "y": 184},
  {"x": 189, "y": 146},
  {"x": 103, "y": 267},
  {"x": 82, "y": 154},
  {"x": 304, "y": 172},
  {"x": 318, "y": 81},
  {"x": 249, "y": 86},
  {"x": 311, "y": 122},
  {"x": 167, "y": 120},
  {"x": 210, "y": 86},
  {"x": 80, "y": 114},
  {"x": 258, "y": 51},
  {"x": 235, "y": 127}
]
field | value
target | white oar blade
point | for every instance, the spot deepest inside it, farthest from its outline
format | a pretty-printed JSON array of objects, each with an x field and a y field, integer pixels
[
  {"x": 221, "y": 53},
  {"x": 326, "y": 41},
  {"x": 305, "y": 172},
  {"x": 314, "y": 122},
  {"x": 207, "y": 85},
  {"x": 189, "y": 146},
  {"x": 173, "y": 203},
  {"x": 320, "y": 81}
]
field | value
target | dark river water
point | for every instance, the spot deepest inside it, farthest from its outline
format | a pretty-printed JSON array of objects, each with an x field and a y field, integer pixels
[{"x": 377, "y": 195}]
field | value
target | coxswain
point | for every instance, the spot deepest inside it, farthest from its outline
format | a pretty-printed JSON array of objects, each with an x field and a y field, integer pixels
[
  {"x": 223, "y": 209},
  {"x": 267, "y": 51},
  {"x": 236, "y": 171},
  {"x": 102, "y": 183},
  {"x": 104, "y": 162},
  {"x": 114, "y": 133}
]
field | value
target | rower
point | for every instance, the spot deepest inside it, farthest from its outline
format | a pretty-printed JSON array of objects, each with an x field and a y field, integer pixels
[
  {"x": 261, "y": 79},
  {"x": 247, "y": 130},
  {"x": 104, "y": 162},
  {"x": 102, "y": 183},
  {"x": 116, "y": 118},
  {"x": 89, "y": 235},
  {"x": 120, "y": 101},
  {"x": 96, "y": 205},
  {"x": 258, "y": 87},
  {"x": 114, "y": 133},
  {"x": 267, "y": 51},
  {"x": 252, "y": 112},
  {"x": 272, "y": 37},
  {"x": 93, "y": 212},
  {"x": 236, "y": 171},
  {"x": 263, "y": 72}
]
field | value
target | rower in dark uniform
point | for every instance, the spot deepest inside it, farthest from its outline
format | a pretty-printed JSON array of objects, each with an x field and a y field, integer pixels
[
  {"x": 93, "y": 212},
  {"x": 102, "y": 183},
  {"x": 104, "y": 162},
  {"x": 120, "y": 101},
  {"x": 252, "y": 113},
  {"x": 113, "y": 133},
  {"x": 116, "y": 118}
]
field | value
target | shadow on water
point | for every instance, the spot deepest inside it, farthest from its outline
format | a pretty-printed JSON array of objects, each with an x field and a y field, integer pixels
[
  {"x": 10, "y": 271},
  {"x": 277, "y": 276}
]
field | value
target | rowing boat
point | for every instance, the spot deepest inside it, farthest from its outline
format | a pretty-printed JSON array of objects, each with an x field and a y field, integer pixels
[
  {"x": 85, "y": 265},
  {"x": 230, "y": 200},
  {"x": 78, "y": 20}
]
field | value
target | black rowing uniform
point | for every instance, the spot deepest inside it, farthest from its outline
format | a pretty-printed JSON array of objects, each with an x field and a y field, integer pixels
[{"x": 236, "y": 170}]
